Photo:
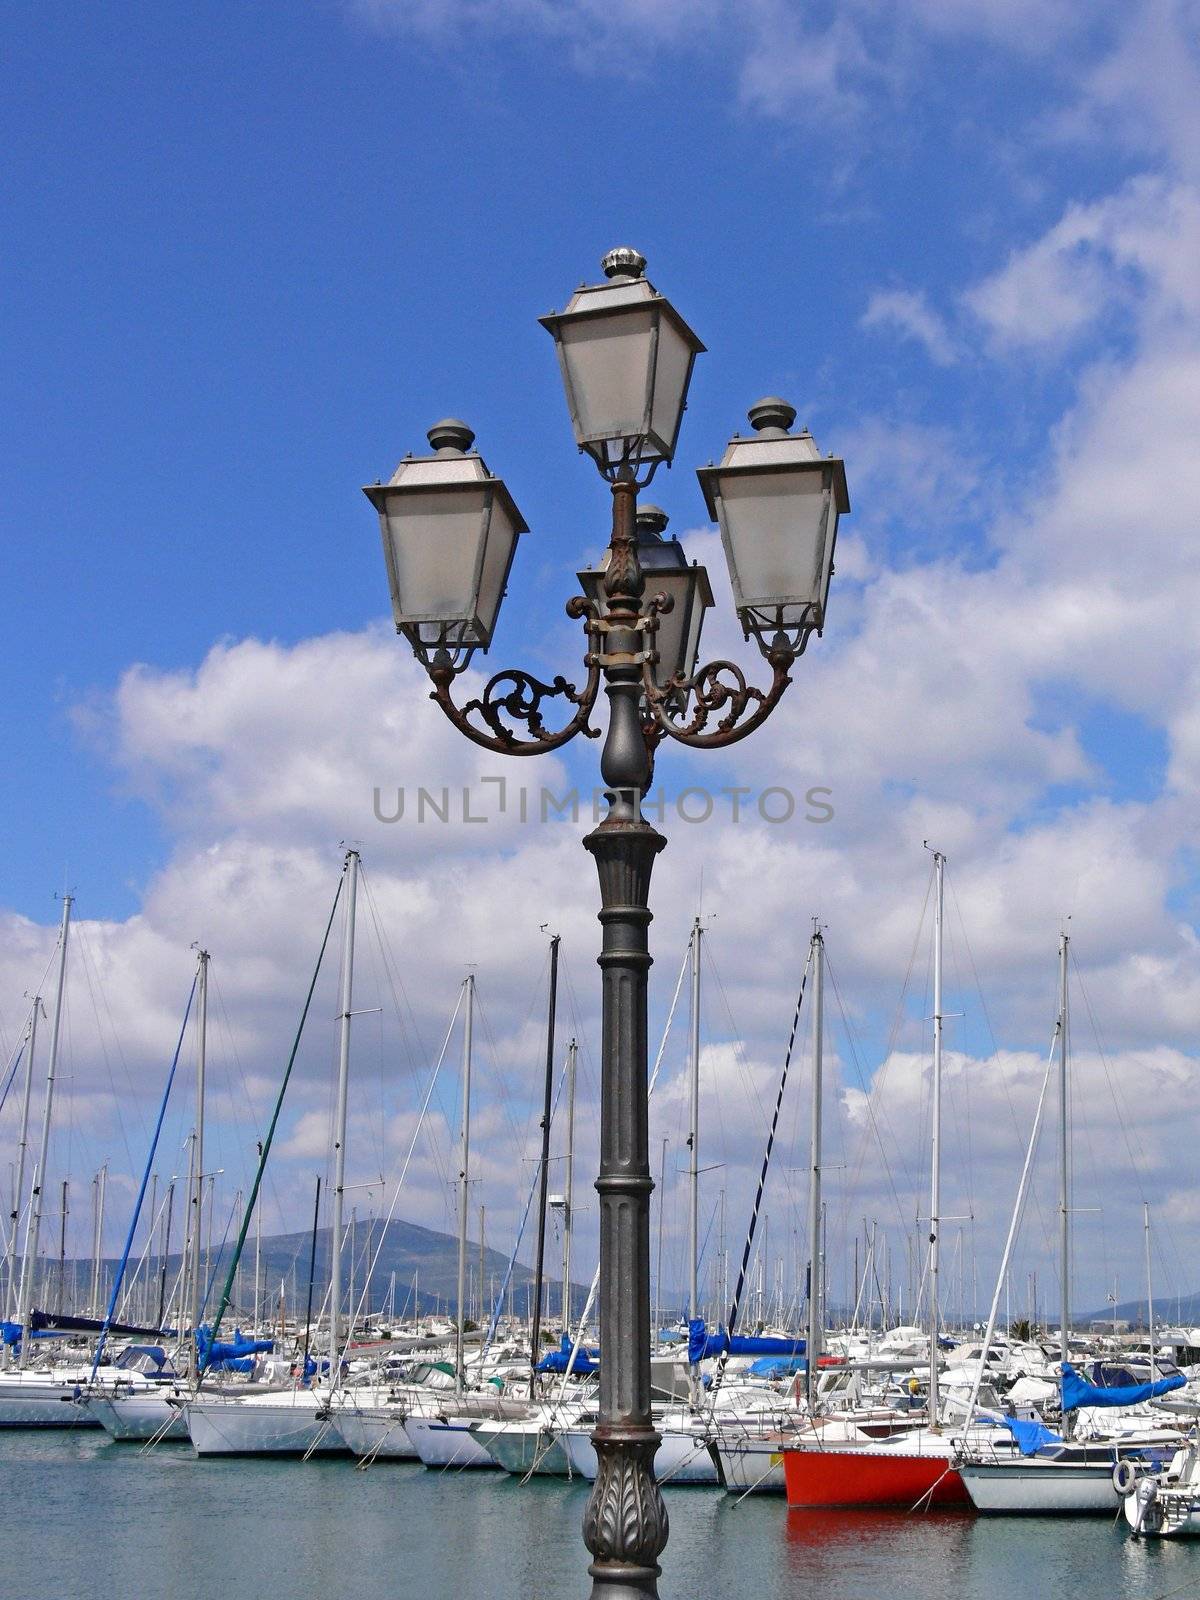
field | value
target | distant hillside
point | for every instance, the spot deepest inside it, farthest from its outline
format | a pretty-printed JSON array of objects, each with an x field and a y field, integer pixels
[
  {"x": 1169, "y": 1311},
  {"x": 418, "y": 1256}
]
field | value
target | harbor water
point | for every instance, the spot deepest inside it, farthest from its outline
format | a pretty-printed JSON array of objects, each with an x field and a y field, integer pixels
[{"x": 84, "y": 1517}]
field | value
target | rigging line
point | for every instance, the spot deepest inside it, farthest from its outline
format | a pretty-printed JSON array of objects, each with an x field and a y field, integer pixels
[
  {"x": 1043, "y": 1220},
  {"x": 739, "y": 1048},
  {"x": 216, "y": 1266},
  {"x": 731, "y": 1323},
  {"x": 411, "y": 1030},
  {"x": 749, "y": 1085},
  {"x": 1138, "y": 1161},
  {"x": 268, "y": 1141},
  {"x": 506, "y": 1096},
  {"x": 12, "y": 1071},
  {"x": 137, "y": 1208},
  {"x": 880, "y": 1079},
  {"x": 871, "y": 1117},
  {"x": 1014, "y": 1223},
  {"x": 91, "y": 970},
  {"x": 380, "y": 1030},
  {"x": 142, "y": 1260},
  {"x": 966, "y": 1081},
  {"x": 498, "y": 1306},
  {"x": 231, "y": 1045},
  {"x": 356, "y": 1311}
]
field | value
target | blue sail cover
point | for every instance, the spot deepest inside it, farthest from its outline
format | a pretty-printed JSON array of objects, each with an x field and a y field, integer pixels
[
  {"x": 559, "y": 1360},
  {"x": 778, "y": 1366},
  {"x": 1077, "y": 1391},
  {"x": 11, "y": 1333},
  {"x": 703, "y": 1345},
  {"x": 1030, "y": 1436},
  {"x": 230, "y": 1355}
]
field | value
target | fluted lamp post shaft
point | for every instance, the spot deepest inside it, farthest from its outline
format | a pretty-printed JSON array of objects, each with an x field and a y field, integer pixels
[{"x": 625, "y": 1525}]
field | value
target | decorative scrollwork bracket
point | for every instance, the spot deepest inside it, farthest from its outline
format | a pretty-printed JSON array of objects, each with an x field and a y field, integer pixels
[
  {"x": 717, "y": 687},
  {"x": 513, "y": 696}
]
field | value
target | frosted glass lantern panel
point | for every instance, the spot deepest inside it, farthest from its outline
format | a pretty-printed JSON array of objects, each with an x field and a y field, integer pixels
[
  {"x": 670, "y": 381},
  {"x": 673, "y": 629},
  {"x": 433, "y": 548},
  {"x": 497, "y": 559},
  {"x": 607, "y": 362},
  {"x": 776, "y": 535}
]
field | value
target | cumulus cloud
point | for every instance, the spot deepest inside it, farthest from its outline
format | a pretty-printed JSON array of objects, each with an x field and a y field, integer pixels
[{"x": 1131, "y": 250}]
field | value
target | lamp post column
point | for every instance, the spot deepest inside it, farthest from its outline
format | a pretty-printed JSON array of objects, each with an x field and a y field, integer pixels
[{"x": 625, "y": 1524}]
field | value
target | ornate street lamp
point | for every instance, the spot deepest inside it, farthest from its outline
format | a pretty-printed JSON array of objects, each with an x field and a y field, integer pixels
[{"x": 449, "y": 533}]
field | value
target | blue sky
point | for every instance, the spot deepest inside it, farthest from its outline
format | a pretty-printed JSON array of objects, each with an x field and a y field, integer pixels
[
  {"x": 254, "y": 253},
  {"x": 257, "y": 254}
]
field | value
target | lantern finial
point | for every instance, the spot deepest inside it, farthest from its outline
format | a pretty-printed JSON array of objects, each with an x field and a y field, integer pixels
[
  {"x": 771, "y": 416},
  {"x": 451, "y": 435},
  {"x": 624, "y": 262}
]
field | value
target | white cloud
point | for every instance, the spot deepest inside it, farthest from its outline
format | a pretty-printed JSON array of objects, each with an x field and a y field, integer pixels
[
  {"x": 910, "y": 314},
  {"x": 1134, "y": 250}
]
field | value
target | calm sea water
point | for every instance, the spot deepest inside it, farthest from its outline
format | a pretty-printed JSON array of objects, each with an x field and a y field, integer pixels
[{"x": 84, "y": 1517}]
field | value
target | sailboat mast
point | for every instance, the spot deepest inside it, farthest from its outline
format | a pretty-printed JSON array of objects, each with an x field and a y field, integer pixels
[
  {"x": 694, "y": 1136},
  {"x": 569, "y": 1182},
  {"x": 257, "y": 1260},
  {"x": 543, "y": 1172},
  {"x": 812, "y": 1346},
  {"x": 29, "y": 1265},
  {"x": 339, "y": 1128},
  {"x": 935, "y": 1190},
  {"x": 464, "y": 1159},
  {"x": 1149, "y": 1286},
  {"x": 22, "y": 1148},
  {"x": 195, "y": 1276},
  {"x": 1064, "y": 1173},
  {"x": 98, "y": 1185}
]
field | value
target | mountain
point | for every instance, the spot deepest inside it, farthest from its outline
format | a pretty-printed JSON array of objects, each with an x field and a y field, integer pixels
[
  {"x": 415, "y": 1254},
  {"x": 1170, "y": 1310}
]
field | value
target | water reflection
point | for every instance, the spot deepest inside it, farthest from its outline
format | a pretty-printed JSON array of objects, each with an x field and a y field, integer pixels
[{"x": 847, "y": 1552}]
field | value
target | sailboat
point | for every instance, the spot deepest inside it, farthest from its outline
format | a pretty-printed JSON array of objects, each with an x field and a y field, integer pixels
[
  {"x": 136, "y": 1408},
  {"x": 444, "y": 1435},
  {"x": 917, "y": 1467},
  {"x": 41, "y": 1397},
  {"x": 1068, "y": 1474},
  {"x": 300, "y": 1420}
]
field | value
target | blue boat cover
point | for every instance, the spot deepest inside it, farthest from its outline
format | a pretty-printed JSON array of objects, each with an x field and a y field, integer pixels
[
  {"x": 12, "y": 1331},
  {"x": 1030, "y": 1436},
  {"x": 1077, "y": 1391},
  {"x": 777, "y": 1366},
  {"x": 230, "y": 1355},
  {"x": 558, "y": 1360},
  {"x": 702, "y": 1345}
]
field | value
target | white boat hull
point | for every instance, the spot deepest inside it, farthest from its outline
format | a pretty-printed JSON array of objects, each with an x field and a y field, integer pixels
[
  {"x": 524, "y": 1450},
  {"x": 130, "y": 1419},
  {"x": 34, "y": 1400},
  {"x": 1169, "y": 1513},
  {"x": 1041, "y": 1488},
  {"x": 682, "y": 1458},
  {"x": 449, "y": 1443},
  {"x": 379, "y": 1434},
  {"x": 241, "y": 1428},
  {"x": 751, "y": 1466}
]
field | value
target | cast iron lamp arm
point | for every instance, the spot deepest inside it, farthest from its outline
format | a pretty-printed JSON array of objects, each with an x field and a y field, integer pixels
[
  {"x": 513, "y": 695},
  {"x": 716, "y": 685}
]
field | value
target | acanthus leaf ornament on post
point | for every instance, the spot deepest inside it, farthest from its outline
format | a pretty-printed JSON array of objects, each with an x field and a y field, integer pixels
[{"x": 450, "y": 531}]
